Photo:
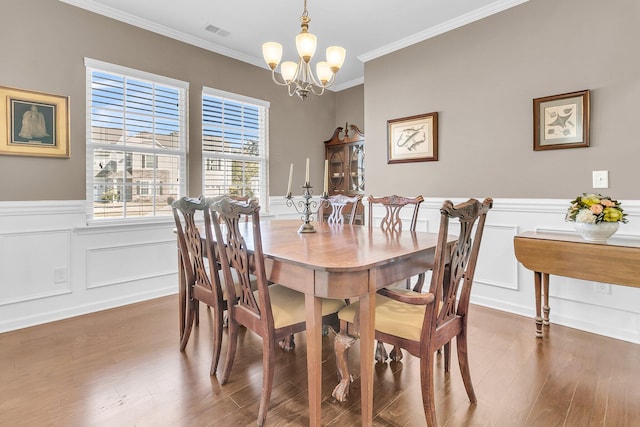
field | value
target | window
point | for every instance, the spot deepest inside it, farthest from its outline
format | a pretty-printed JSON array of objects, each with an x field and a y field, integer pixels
[
  {"x": 234, "y": 145},
  {"x": 136, "y": 142},
  {"x": 148, "y": 161}
]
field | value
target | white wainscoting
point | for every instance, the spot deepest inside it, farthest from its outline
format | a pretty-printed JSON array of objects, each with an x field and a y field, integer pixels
[{"x": 53, "y": 266}]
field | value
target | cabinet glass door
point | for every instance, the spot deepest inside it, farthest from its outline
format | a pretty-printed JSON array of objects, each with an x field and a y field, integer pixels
[
  {"x": 336, "y": 170},
  {"x": 356, "y": 166}
]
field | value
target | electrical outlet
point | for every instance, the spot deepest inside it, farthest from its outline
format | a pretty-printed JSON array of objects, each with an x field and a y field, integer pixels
[
  {"x": 603, "y": 288},
  {"x": 600, "y": 179},
  {"x": 60, "y": 275}
]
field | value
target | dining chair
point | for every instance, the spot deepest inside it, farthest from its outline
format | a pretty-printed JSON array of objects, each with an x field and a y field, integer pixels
[
  {"x": 201, "y": 273},
  {"x": 272, "y": 311},
  {"x": 423, "y": 323},
  {"x": 339, "y": 209},
  {"x": 391, "y": 221}
]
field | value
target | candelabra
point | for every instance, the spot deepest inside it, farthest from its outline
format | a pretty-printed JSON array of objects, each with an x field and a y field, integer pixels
[{"x": 307, "y": 207}]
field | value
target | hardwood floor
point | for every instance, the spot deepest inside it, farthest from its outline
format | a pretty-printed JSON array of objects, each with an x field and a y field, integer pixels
[{"x": 122, "y": 367}]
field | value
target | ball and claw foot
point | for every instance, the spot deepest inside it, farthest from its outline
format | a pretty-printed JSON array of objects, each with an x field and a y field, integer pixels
[
  {"x": 342, "y": 343},
  {"x": 381, "y": 353},
  {"x": 287, "y": 344},
  {"x": 396, "y": 354}
]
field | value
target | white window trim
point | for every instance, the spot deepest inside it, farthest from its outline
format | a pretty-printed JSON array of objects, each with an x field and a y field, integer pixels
[
  {"x": 247, "y": 100},
  {"x": 96, "y": 65}
]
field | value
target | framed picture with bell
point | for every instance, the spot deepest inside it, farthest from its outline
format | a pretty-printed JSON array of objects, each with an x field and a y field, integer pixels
[{"x": 35, "y": 124}]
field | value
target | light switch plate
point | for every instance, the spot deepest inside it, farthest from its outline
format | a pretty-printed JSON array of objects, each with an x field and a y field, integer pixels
[{"x": 600, "y": 179}]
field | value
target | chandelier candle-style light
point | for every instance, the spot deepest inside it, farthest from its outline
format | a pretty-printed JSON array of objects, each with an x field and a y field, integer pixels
[{"x": 299, "y": 77}]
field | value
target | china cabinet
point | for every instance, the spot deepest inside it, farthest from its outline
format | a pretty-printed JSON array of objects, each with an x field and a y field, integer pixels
[{"x": 345, "y": 155}]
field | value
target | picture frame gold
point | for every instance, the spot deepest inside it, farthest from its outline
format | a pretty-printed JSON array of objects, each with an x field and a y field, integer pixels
[
  {"x": 36, "y": 123},
  {"x": 413, "y": 139},
  {"x": 561, "y": 121}
]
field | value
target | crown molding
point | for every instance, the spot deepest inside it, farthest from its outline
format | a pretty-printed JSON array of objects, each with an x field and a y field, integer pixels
[
  {"x": 127, "y": 18},
  {"x": 452, "y": 24}
]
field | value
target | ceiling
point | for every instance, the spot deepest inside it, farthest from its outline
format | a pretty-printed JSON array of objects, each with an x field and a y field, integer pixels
[{"x": 366, "y": 28}]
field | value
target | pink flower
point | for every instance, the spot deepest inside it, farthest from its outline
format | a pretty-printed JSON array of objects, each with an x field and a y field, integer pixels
[
  {"x": 596, "y": 209},
  {"x": 607, "y": 203}
]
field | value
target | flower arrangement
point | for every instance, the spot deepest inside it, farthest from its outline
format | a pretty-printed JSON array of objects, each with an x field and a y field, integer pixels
[{"x": 594, "y": 209}]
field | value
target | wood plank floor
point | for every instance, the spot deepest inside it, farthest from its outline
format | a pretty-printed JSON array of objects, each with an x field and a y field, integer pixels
[{"x": 122, "y": 367}]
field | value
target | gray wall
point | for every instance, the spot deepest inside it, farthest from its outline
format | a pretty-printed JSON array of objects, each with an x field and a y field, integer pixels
[
  {"x": 45, "y": 53},
  {"x": 482, "y": 78},
  {"x": 350, "y": 107}
]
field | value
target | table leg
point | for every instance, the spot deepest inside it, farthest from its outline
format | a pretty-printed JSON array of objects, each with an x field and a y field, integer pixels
[
  {"x": 545, "y": 291},
  {"x": 367, "y": 339},
  {"x": 313, "y": 307},
  {"x": 537, "y": 279}
]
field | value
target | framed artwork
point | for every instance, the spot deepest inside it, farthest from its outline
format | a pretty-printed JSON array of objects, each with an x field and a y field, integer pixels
[
  {"x": 34, "y": 123},
  {"x": 413, "y": 139},
  {"x": 561, "y": 121}
]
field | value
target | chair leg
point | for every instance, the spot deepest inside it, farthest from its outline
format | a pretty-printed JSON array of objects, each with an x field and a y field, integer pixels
[
  {"x": 217, "y": 340},
  {"x": 188, "y": 325},
  {"x": 381, "y": 353},
  {"x": 426, "y": 381},
  {"x": 268, "y": 359},
  {"x": 182, "y": 295},
  {"x": 463, "y": 362},
  {"x": 447, "y": 356},
  {"x": 196, "y": 304},
  {"x": 232, "y": 344},
  {"x": 342, "y": 343}
]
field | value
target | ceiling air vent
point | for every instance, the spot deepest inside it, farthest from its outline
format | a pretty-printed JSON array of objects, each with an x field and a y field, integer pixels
[{"x": 217, "y": 30}]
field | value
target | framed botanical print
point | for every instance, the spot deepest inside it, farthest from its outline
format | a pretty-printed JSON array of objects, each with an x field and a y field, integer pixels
[
  {"x": 561, "y": 121},
  {"x": 413, "y": 139}
]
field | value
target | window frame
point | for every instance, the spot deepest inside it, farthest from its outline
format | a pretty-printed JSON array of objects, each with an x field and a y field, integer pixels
[
  {"x": 263, "y": 159},
  {"x": 181, "y": 152}
]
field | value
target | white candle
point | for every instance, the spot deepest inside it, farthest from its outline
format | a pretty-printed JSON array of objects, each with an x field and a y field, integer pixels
[
  {"x": 306, "y": 175},
  {"x": 290, "y": 179},
  {"x": 326, "y": 177}
]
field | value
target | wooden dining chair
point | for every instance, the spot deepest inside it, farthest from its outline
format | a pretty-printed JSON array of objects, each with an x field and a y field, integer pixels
[
  {"x": 423, "y": 323},
  {"x": 200, "y": 271},
  {"x": 272, "y": 312},
  {"x": 391, "y": 221},
  {"x": 339, "y": 209}
]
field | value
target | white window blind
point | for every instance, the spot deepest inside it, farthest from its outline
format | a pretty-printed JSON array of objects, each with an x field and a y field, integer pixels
[
  {"x": 136, "y": 141},
  {"x": 234, "y": 145}
]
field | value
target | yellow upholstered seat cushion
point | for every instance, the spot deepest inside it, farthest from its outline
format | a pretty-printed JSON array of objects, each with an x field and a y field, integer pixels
[
  {"x": 287, "y": 305},
  {"x": 392, "y": 317},
  {"x": 236, "y": 283}
]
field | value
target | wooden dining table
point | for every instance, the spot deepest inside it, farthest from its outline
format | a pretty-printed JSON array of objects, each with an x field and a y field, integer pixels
[{"x": 341, "y": 261}]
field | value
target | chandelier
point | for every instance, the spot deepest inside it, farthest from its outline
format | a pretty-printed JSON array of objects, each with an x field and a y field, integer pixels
[{"x": 299, "y": 77}]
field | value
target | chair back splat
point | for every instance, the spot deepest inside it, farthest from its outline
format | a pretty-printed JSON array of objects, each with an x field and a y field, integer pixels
[
  {"x": 229, "y": 212},
  {"x": 391, "y": 221},
  {"x": 342, "y": 209}
]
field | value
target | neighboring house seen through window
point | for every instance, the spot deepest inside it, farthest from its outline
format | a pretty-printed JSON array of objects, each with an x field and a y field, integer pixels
[
  {"x": 136, "y": 142},
  {"x": 234, "y": 145}
]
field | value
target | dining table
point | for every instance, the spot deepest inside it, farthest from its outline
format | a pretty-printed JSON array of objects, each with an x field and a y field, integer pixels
[{"x": 341, "y": 262}]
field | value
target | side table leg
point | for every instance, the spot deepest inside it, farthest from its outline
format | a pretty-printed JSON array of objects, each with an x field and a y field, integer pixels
[
  {"x": 537, "y": 279},
  {"x": 545, "y": 308}
]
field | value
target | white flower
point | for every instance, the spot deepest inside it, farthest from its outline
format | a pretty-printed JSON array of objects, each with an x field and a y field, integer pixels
[{"x": 585, "y": 215}]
